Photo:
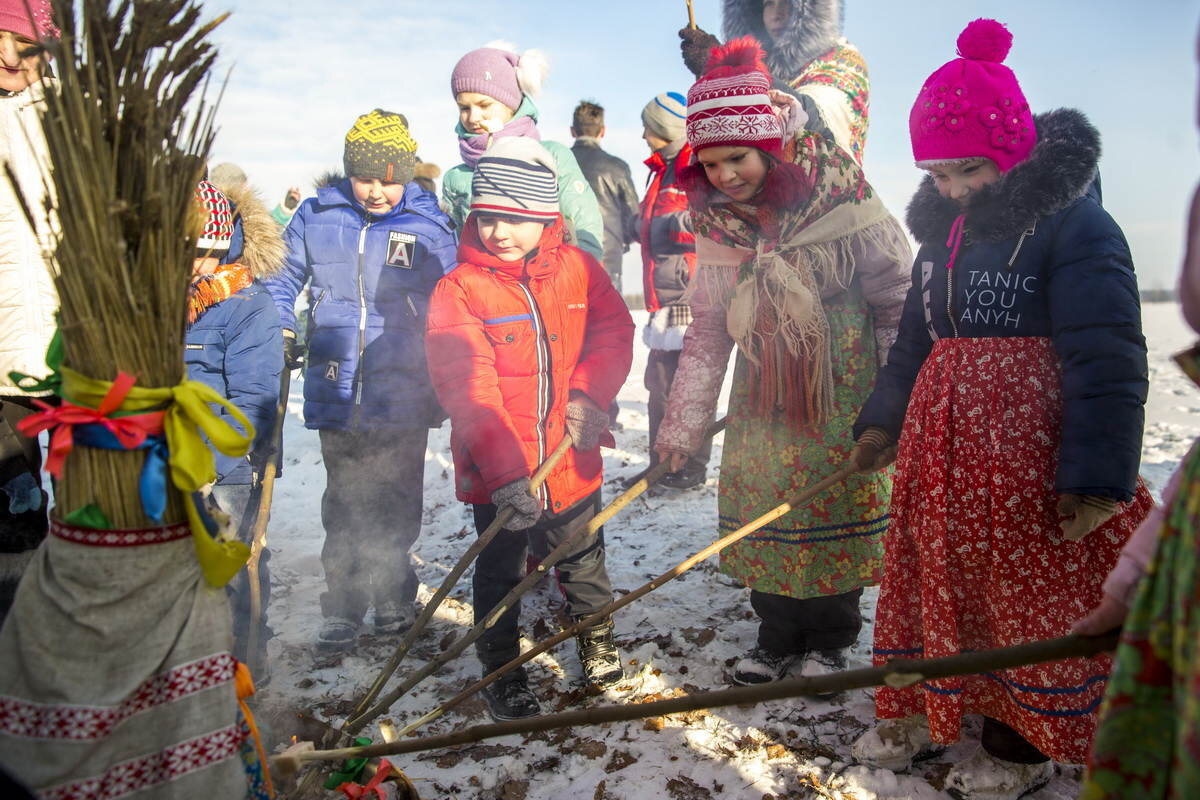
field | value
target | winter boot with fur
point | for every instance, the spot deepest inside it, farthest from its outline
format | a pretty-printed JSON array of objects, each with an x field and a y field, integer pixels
[
  {"x": 598, "y": 655},
  {"x": 509, "y": 697},
  {"x": 985, "y": 777},
  {"x": 893, "y": 743},
  {"x": 337, "y": 633},
  {"x": 823, "y": 662},
  {"x": 761, "y": 665},
  {"x": 394, "y": 617}
]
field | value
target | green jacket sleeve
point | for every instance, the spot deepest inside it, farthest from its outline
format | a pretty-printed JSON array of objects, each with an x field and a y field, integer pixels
[
  {"x": 577, "y": 202},
  {"x": 456, "y": 193}
]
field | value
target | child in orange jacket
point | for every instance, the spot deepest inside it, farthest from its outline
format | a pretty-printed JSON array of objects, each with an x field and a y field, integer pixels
[{"x": 528, "y": 341}]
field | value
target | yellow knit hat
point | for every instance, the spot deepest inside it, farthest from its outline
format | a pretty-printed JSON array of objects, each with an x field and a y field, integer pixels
[{"x": 380, "y": 146}]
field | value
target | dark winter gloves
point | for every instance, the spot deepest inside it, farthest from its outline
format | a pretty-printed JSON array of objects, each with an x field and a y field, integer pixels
[
  {"x": 873, "y": 451},
  {"x": 585, "y": 422},
  {"x": 526, "y": 508},
  {"x": 293, "y": 350},
  {"x": 1084, "y": 513},
  {"x": 695, "y": 45},
  {"x": 23, "y": 494}
]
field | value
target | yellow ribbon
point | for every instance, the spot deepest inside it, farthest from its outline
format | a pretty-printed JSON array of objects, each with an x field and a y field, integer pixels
[{"x": 188, "y": 415}]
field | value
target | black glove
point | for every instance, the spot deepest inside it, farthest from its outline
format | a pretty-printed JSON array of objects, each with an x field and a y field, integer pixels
[
  {"x": 293, "y": 350},
  {"x": 695, "y": 46},
  {"x": 527, "y": 509},
  {"x": 873, "y": 451}
]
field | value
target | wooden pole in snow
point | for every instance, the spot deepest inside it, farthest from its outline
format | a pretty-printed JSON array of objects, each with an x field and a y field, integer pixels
[
  {"x": 803, "y": 499},
  {"x": 898, "y": 673},
  {"x": 360, "y": 720}
]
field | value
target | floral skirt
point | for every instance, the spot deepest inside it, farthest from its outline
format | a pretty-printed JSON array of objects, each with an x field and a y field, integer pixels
[
  {"x": 116, "y": 678},
  {"x": 975, "y": 558},
  {"x": 1148, "y": 741},
  {"x": 834, "y": 544}
]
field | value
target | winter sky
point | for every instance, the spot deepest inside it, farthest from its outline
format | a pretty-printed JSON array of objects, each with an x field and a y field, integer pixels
[{"x": 302, "y": 70}]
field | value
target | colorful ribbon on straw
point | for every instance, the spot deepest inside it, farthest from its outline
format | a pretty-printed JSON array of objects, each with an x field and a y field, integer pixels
[{"x": 131, "y": 417}]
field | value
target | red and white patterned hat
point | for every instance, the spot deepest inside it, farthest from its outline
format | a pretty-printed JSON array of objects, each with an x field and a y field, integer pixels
[
  {"x": 729, "y": 105},
  {"x": 218, "y": 218}
]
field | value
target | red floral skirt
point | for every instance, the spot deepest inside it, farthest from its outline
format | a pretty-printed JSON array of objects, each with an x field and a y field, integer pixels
[{"x": 974, "y": 557}]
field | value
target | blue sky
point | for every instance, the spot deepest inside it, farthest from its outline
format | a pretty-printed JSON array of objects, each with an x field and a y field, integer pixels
[{"x": 303, "y": 70}]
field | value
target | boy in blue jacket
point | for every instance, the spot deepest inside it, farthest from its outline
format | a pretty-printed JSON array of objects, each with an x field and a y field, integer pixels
[
  {"x": 232, "y": 344},
  {"x": 371, "y": 247}
]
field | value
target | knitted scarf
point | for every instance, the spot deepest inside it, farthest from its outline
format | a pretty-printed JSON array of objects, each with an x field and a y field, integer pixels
[
  {"x": 773, "y": 262},
  {"x": 206, "y": 291},
  {"x": 472, "y": 147}
]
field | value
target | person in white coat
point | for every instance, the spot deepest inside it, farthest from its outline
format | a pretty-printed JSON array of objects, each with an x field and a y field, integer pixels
[{"x": 28, "y": 300}]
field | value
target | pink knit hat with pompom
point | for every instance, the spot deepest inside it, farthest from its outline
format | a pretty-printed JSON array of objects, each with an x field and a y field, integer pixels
[
  {"x": 973, "y": 107},
  {"x": 32, "y": 19}
]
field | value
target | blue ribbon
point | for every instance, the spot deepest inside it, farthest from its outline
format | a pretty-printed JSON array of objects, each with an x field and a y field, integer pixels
[{"x": 152, "y": 483}]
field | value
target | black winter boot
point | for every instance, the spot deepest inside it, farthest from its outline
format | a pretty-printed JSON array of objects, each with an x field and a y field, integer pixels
[
  {"x": 509, "y": 697},
  {"x": 598, "y": 655}
]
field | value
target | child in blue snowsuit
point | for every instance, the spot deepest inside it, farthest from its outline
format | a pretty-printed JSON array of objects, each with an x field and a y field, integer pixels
[{"x": 371, "y": 247}]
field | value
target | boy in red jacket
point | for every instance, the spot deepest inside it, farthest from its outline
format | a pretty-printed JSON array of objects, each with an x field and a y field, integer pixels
[{"x": 528, "y": 341}]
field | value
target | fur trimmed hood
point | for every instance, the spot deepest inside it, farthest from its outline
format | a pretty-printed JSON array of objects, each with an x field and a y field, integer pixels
[
  {"x": 263, "y": 250},
  {"x": 815, "y": 27},
  {"x": 1061, "y": 169}
]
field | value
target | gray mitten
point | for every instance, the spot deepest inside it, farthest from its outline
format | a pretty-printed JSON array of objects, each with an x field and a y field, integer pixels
[
  {"x": 585, "y": 423},
  {"x": 527, "y": 509},
  {"x": 695, "y": 45}
]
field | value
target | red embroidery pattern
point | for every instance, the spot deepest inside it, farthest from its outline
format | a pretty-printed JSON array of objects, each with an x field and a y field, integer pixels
[
  {"x": 98, "y": 538},
  {"x": 166, "y": 765},
  {"x": 81, "y": 723}
]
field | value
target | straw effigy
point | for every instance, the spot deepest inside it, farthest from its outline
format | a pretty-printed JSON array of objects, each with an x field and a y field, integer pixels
[{"x": 116, "y": 677}]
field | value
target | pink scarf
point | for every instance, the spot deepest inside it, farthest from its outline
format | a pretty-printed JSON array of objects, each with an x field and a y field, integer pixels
[{"x": 472, "y": 147}]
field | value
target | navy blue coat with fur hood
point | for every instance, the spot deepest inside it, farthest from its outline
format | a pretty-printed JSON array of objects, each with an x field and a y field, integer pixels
[
  {"x": 370, "y": 278},
  {"x": 236, "y": 345},
  {"x": 1040, "y": 257}
]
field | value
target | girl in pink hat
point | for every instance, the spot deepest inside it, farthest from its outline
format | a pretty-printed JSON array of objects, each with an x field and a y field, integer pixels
[{"x": 1014, "y": 393}]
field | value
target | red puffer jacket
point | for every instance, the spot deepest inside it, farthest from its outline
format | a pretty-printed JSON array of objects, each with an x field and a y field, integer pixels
[{"x": 506, "y": 344}]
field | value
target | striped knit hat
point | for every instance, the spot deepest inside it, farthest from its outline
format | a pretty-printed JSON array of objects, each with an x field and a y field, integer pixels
[
  {"x": 729, "y": 105},
  {"x": 516, "y": 177},
  {"x": 380, "y": 146},
  {"x": 218, "y": 218},
  {"x": 666, "y": 116}
]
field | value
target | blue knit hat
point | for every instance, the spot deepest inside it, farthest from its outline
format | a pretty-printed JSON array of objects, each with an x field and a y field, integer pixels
[
  {"x": 516, "y": 177},
  {"x": 666, "y": 116}
]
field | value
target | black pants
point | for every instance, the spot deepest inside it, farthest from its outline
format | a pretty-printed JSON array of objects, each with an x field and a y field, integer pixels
[
  {"x": 20, "y": 533},
  {"x": 371, "y": 511},
  {"x": 788, "y": 625},
  {"x": 501, "y": 566},
  {"x": 661, "y": 366},
  {"x": 1001, "y": 741},
  {"x": 235, "y": 500}
]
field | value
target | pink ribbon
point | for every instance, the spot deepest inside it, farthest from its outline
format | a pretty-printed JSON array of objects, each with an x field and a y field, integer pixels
[{"x": 955, "y": 239}]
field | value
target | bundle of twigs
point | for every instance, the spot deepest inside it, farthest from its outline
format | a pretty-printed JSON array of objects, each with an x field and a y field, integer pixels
[{"x": 127, "y": 134}]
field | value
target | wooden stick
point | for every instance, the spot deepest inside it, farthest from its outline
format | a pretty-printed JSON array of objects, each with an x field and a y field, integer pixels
[
  {"x": 355, "y": 724},
  {"x": 258, "y": 541},
  {"x": 691, "y": 15},
  {"x": 451, "y": 579},
  {"x": 802, "y": 499},
  {"x": 899, "y": 672}
]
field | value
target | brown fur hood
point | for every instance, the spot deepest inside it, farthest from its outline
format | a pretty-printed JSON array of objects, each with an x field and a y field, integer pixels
[{"x": 264, "y": 251}]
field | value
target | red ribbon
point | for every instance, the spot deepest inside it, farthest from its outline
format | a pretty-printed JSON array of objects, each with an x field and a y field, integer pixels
[
  {"x": 130, "y": 430},
  {"x": 372, "y": 788}
]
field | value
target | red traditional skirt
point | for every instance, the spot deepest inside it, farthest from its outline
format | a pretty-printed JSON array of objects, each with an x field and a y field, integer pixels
[{"x": 974, "y": 556}]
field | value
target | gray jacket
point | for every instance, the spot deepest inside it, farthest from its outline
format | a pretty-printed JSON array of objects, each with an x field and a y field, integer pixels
[{"x": 612, "y": 182}]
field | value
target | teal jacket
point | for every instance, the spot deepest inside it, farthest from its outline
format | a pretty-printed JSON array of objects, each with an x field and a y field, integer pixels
[{"x": 576, "y": 201}]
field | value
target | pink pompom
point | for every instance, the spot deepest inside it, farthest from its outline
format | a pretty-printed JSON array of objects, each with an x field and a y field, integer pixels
[{"x": 985, "y": 40}]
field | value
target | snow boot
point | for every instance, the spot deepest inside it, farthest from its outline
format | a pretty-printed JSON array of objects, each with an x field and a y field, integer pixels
[
  {"x": 823, "y": 662},
  {"x": 337, "y": 633},
  {"x": 691, "y": 476},
  {"x": 893, "y": 743},
  {"x": 393, "y": 617},
  {"x": 761, "y": 665},
  {"x": 598, "y": 655},
  {"x": 985, "y": 777},
  {"x": 509, "y": 696}
]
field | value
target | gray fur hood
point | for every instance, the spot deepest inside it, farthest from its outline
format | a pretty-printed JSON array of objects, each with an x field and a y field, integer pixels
[
  {"x": 263, "y": 250},
  {"x": 1061, "y": 169},
  {"x": 815, "y": 27}
]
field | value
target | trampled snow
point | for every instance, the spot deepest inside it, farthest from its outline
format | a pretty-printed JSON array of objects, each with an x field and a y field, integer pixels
[{"x": 681, "y": 638}]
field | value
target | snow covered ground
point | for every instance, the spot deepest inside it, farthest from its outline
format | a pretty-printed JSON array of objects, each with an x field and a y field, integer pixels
[{"x": 681, "y": 638}]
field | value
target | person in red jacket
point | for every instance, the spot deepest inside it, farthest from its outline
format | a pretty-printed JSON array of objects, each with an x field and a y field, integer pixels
[{"x": 527, "y": 342}]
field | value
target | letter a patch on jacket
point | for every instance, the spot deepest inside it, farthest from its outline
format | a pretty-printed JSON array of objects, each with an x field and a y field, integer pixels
[{"x": 401, "y": 249}]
